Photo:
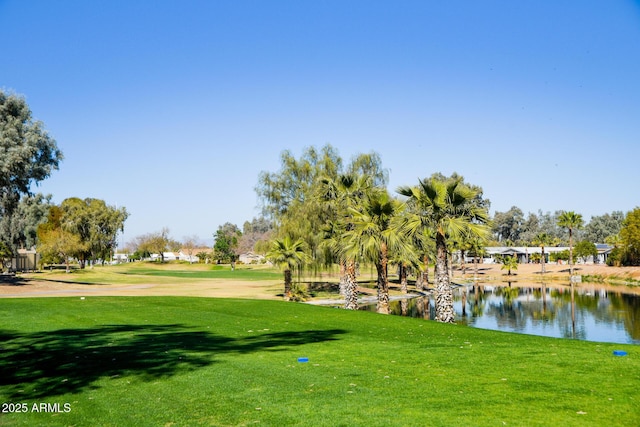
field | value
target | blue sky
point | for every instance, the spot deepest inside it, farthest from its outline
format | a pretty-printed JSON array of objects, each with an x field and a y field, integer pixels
[{"x": 172, "y": 108}]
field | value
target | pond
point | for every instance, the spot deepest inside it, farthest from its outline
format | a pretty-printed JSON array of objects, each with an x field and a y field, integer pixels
[{"x": 599, "y": 313}]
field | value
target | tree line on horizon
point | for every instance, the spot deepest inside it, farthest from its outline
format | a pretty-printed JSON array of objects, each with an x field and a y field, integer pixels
[
  {"x": 318, "y": 210},
  {"x": 326, "y": 211}
]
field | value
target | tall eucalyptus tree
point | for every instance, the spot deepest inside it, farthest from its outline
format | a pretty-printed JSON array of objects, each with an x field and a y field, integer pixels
[{"x": 28, "y": 155}]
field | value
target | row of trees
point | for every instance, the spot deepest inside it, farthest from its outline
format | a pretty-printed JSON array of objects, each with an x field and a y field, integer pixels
[
  {"x": 564, "y": 228},
  {"x": 512, "y": 228},
  {"x": 327, "y": 213},
  {"x": 229, "y": 242},
  {"x": 83, "y": 229}
]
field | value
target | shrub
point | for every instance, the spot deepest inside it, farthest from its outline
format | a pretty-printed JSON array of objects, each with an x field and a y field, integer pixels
[
  {"x": 298, "y": 292},
  {"x": 615, "y": 258}
]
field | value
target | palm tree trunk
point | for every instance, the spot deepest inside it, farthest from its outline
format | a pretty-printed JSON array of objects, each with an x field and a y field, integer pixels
[
  {"x": 444, "y": 296},
  {"x": 383, "y": 281},
  {"x": 425, "y": 273},
  {"x": 573, "y": 310},
  {"x": 351, "y": 289},
  {"x": 570, "y": 256},
  {"x": 464, "y": 303},
  {"x": 343, "y": 277},
  {"x": 287, "y": 285},
  {"x": 475, "y": 266},
  {"x": 422, "y": 281},
  {"x": 403, "y": 278}
]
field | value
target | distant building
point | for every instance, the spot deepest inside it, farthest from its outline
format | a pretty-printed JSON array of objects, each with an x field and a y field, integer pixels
[
  {"x": 251, "y": 258},
  {"x": 523, "y": 253},
  {"x": 26, "y": 260}
]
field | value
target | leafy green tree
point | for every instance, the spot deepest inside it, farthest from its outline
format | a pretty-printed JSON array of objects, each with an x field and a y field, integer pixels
[
  {"x": 585, "y": 249},
  {"x": 22, "y": 227},
  {"x": 508, "y": 225},
  {"x": 530, "y": 227},
  {"x": 28, "y": 155},
  {"x": 57, "y": 242},
  {"x": 258, "y": 230},
  {"x": 292, "y": 197},
  {"x": 600, "y": 228},
  {"x": 571, "y": 221},
  {"x": 548, "y": 224},
  {"x": 280, "y": 191},
  {"x": 451, "y": 209},
  {"x": 5, "y": 257},
  {"x": 559, "y": 256},
  {"x": 289, "y": 198},
  {"x": 226, "y": 243},
  {"x": 289, "y": 255},
  {"x": 630, "y": 238},
  {"x": 96, "y": 223},
  {"x": 370, "y": 166}
]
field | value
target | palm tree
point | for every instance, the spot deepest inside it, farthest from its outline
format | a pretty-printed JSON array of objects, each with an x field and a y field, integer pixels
[
  {"x": 571, "y": 221},
  {"x": 448, "y": 207},
  {"x": 342, "y": 195},
  {"x": 542, "y": 240},
  {"x": 288, "y": 255},
  {"x": 477, "y": 247},
  {"x": 374, "y": 235},
  {"x": 509, "y": 263}
]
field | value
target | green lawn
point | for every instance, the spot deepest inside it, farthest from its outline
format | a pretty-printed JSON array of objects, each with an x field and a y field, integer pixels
[
  {"x": 170, "y": 361},
  {"x": 140, "y": 272},
  {"x": 215, "y": 272}
]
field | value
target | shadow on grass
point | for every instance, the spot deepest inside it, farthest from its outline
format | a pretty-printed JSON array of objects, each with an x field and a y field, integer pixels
[
  {"x": 43, "y": 364},
  {"x": 12, "y": 280},
  {"x": 24, "y": 281}
]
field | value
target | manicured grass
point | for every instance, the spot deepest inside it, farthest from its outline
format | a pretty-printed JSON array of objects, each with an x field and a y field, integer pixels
[
  {"x": 241, "y": 273},
  {"x": 173, "y": 361},
  {"x": 140, "y": 272}
]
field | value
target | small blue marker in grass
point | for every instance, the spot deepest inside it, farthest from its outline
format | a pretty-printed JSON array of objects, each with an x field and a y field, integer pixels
[
  {"x": 303, "y": 359},
  {"x": 619, "y": 353}
]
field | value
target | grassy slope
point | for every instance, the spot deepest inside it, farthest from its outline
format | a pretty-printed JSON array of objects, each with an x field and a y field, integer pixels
[{"x": 197, "y": 361}]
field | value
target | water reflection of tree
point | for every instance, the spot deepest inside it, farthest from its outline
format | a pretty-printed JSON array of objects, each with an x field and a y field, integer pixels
[
  {"x": 628, "y": 307},
  {"x": 478, "y": 301},
  {"x": 513, "y": 307},
  {"x": 542, "y": 311},
  {"x": 419, "y": 307},
  {"x": 508, "y": 312}
]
